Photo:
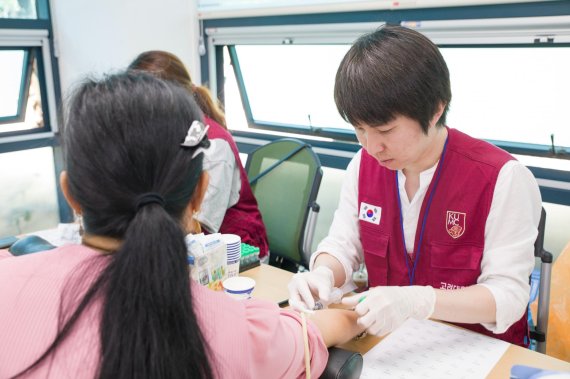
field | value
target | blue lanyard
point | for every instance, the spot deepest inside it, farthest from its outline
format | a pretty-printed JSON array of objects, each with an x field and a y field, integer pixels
[{"x": 412, "y": 272}]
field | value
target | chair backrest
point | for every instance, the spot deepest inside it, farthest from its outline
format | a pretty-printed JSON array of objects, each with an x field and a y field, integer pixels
[
  {"x": 540, "y": 329},
  {"x": 285, "y": 176}
]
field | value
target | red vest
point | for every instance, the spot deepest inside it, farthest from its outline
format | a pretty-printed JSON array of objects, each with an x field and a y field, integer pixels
[
  {"x": 243, "y": 218},
  {"x": 454, "y": 233}
]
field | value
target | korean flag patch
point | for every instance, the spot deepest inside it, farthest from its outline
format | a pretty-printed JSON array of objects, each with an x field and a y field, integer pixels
[{"x": 370, "y": 213}]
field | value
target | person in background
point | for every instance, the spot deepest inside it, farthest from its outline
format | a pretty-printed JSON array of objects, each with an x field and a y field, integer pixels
[
  {"x": 445, "y": 223},
  {"x": 121, "y": 304},
  {"x": 229, "y": 206}
]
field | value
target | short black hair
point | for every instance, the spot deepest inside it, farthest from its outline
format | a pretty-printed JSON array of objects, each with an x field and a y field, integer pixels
[{"x": 393, "y": 71}]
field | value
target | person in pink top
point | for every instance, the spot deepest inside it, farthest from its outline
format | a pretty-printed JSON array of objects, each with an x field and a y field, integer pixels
[
  {"x": 121, "y": 304},
  {"x": 229, "y": 205}
]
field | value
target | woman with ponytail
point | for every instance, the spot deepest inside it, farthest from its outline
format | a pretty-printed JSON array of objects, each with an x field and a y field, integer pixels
[
  {"x": 121, "y": 304},
  {"x": 229, "y": 205}
]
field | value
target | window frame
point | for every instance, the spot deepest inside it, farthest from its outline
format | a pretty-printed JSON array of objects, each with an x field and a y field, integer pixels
[
  {"x": 335, "y": 133},
  {"x": 535, "y": 32},
  {"x": 36, "y": 43},
  {"x": 218, "y": 38},
  {"x": 37, "y": 35},
  {"x": 26, "y": 78},
  {"x": 554, "y": 183}
]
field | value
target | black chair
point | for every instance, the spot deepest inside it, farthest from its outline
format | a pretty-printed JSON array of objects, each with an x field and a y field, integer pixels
[
  {"x": 343, "y": 364},
  {"x": 538, "y": 331}
]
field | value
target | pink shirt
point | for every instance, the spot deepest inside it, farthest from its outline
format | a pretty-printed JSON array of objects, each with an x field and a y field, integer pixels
[{"x": 249, "y": 339}]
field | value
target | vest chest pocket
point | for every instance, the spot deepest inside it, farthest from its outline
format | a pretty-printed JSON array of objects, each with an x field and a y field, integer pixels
[
  {"x": 375, "y": 247},
  {"x": 455, "y": 266}
]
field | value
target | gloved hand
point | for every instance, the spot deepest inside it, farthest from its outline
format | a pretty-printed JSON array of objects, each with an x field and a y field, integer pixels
[
  {"x": 383, "y": 309},
  {"x": 306, "y": 287}
]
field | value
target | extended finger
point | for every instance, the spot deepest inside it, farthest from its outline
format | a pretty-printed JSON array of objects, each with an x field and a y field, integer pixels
[
  {"x": 294, "y": 298},
  {"x": 365, "y": 323},
  {"x": 363, "y": 307},
  {"x": 297, "y": 304},
  {"x": 352, "y": 301},
  {"x": 368, "y": 318},
  {"x": 378, "y": 327},
  {"x": 336, "y": 295},
  {"x": 324, "y": 291},
  {"x": 305, "y": 294}
]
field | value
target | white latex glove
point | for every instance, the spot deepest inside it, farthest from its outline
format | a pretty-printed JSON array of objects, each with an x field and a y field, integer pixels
[
  {"x": 383, "y": 309},
  {"x": 306, "y": 287}
]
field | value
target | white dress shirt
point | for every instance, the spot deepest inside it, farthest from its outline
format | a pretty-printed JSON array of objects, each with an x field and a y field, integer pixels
[
  {"x": 510, "y": 232},
  {"x": 224, "y": 185}
]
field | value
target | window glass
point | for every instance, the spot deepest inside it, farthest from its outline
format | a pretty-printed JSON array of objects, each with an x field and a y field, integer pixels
[
  {"x": 18, "y": 9},
  {"x": 31, "y": 116},
  {"x": 12, "y": 76},
  {"x": 553, "y": 163},
  {"x": 517, "y": 94},
  {"x": 233, "y": 108},
  {"x": 292, "y": 84},
  {"x": 28, "y": 192}
]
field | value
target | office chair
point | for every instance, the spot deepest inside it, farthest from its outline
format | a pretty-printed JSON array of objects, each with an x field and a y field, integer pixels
[
  {"x": 285, "y": 176},
  {"x": 538, "y": 331},
  {"x": 343, "y": 364},
  {"x": 25, "y": 245}
]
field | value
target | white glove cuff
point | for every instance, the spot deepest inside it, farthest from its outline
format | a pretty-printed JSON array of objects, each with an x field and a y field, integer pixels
[{"x": 425, "y": 301}]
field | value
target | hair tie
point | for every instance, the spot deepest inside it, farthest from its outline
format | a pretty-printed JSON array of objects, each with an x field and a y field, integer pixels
[{"x": 149, "y": 198}]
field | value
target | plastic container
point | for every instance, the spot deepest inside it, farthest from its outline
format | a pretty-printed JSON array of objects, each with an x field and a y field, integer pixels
[
  {"x": 249, "y": 257},
  {"x": 239, "y": 287}
]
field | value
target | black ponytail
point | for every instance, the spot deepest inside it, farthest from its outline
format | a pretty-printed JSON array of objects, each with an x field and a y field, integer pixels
[
  {"x": 122, "y": 140},
  {"x": 148, "y": 325}
]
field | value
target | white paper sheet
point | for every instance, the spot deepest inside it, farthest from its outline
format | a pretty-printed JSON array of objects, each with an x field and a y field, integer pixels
[
  {"x": 62, "y": 235},
  {"x": 428, "y": 349}
]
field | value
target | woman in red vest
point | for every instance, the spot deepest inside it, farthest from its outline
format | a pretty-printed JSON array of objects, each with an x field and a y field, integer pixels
[
  {"x": 229, "y": 206},
  {"x": 445, "y": 223}
]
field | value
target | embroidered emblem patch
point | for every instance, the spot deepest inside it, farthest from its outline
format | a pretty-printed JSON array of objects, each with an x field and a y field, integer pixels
[
  {"x": 455, "y": 224},
  {"x": 370, "y": 213}
]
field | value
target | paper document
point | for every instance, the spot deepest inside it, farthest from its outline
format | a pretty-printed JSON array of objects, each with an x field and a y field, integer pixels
[
  {"x": 429, "y": 349},
  {"x": 62, "y": 235}
]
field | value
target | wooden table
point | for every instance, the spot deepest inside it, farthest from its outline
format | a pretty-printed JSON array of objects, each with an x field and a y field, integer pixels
[
  {"x": 514, "y": 355},
  {"x": 271, "y": 284}
]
